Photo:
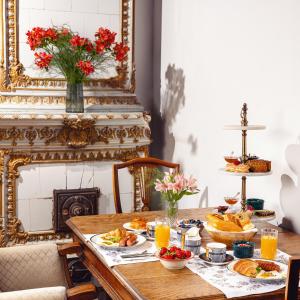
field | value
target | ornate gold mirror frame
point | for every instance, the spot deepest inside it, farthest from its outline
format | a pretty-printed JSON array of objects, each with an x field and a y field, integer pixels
[
  {"x": 15, "y": 233},
  {"x": 12, "y": 75}
]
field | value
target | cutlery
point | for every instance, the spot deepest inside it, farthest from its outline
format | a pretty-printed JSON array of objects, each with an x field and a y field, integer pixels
[
  {"x": 143, "y": 254},
  {"x": 135, "y": 258}
]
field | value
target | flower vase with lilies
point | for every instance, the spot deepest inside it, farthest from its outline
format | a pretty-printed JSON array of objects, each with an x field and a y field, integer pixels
[{"x": 173, "y": 186}]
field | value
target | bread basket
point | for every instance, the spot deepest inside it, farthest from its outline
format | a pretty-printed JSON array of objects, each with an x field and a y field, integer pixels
[{"x": 228, "y": 237}]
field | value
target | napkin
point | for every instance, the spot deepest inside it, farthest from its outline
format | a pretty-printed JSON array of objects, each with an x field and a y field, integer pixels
[
  {"x": 113, "y": 257},
  {"x": 235, "y": 285}
]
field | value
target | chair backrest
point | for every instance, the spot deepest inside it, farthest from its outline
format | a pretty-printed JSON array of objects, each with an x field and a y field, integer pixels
[
  {"x": 143, "y": 171},
  {"x": 292, "y": 287},
  {"x": 29, "y": 267}
]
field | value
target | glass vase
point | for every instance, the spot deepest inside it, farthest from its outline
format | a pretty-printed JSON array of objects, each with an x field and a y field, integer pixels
[
  {"x": 172, "y": 212},
  {"x": 74, "y": 98}
]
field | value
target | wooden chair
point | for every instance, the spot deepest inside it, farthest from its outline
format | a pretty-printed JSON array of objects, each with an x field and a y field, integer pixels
[
  {"x": 143, "y": 171},
  {"x": 292, "y": 287},
  {"x": 36, "y": 272}
]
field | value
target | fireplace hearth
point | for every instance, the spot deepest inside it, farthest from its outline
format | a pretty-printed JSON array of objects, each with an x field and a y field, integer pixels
[{"x": 71, "y": 203}]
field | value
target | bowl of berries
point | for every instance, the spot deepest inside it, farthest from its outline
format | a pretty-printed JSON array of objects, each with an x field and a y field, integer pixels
[
  {"x": 174, "y": 258},
  {"x": 184, "y": 225}
]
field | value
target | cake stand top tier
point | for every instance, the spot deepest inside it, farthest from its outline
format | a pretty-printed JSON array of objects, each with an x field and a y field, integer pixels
[
  {"x": 241, "y": 127},
  {"x": 249, "y": 174}
]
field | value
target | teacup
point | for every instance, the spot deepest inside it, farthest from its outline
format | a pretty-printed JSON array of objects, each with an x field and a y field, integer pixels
[
  {"x": 150, "y": 228},
  {"x": 216, "y": 252}
]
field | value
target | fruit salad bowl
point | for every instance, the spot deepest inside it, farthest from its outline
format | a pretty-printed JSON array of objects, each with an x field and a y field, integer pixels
[{"x": 174, "y": 258}]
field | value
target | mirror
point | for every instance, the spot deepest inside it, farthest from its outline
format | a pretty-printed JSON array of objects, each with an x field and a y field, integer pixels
[{"x": 82, "y": 17}]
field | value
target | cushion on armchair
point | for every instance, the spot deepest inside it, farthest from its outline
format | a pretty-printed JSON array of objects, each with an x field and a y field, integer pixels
[
  {"x": 49, "y": 293},
  {"x": 29, "y": 267}
]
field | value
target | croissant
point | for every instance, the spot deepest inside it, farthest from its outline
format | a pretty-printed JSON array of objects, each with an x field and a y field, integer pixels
[{"x": 246, "y": 267}]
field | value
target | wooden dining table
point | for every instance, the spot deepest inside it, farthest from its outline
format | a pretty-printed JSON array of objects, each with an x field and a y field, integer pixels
[{"x": 150, "y": 280}]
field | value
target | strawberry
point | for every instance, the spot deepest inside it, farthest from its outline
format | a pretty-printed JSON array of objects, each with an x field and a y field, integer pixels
[
  {"x": 173, "y": 254},
  {"x": 168, "y": 256},
  {"x": 180, "y": 254},
  {"x": 250, "y": 207},
  {"x": 173, "y": 249},
  {"x": 163, "y": 251},
  {"x": 188, "y": 253}
]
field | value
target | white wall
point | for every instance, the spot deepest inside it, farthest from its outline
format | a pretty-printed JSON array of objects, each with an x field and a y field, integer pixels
[{"x": 218, "y": 54}]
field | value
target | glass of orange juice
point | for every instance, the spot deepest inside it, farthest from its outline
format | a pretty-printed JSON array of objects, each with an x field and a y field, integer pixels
[
  {"x": 269, "y": 239},
  {"x": 162, "y": 233}
]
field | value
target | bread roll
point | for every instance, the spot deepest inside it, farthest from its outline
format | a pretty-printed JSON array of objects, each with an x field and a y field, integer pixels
[{"x": 218, "y": 222}]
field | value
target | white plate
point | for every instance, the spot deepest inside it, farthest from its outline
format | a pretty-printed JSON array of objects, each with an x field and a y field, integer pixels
[
  {"x": 128, "y": 227},
  {"x": 240, "y": 127},
  {"x": 282, "y": 275},
  {"x": 256, "y": 219},
  {"x": 249, "y": 174},
  {"x": 96, "y": 239}
]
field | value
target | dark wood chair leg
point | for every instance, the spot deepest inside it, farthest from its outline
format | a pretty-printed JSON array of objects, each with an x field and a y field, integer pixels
[{"x": 82, "y": 292}]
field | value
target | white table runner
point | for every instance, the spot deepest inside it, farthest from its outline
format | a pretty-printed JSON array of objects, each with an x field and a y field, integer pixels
[
  {"x": 113, "y": 258},
  {"x": 235, "y": 285}
]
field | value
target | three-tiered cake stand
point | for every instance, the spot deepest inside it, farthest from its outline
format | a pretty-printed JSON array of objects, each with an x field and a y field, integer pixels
[{"x": 244, "y": 127}]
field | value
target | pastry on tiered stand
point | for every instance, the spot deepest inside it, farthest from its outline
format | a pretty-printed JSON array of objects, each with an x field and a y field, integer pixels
[
  {"x": 263, "y": 213},
  {"x": 252, "y": 165},
  {"x": 259, "y": 165},
  {"x": 241, "y": 168}
]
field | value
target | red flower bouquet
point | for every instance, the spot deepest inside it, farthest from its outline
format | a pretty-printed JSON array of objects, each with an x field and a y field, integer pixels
[{"x": 74, "y": 57}]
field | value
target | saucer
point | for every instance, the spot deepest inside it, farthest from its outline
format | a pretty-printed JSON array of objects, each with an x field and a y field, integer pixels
[
  {"x": 144, "y": 234},
  {"x": 229, "y": 258}
]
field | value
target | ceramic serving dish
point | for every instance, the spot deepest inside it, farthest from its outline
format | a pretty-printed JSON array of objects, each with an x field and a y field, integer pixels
[
  {"x": 257, "y": 204},
  {"x": 243, "y": 249}
]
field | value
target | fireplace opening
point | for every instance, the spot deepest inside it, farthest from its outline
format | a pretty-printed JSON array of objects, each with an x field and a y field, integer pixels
[{"x": 73, "y": 202}]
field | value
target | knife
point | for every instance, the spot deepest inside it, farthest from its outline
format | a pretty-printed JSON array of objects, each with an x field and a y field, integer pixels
[{"x": 136, "y": 255}]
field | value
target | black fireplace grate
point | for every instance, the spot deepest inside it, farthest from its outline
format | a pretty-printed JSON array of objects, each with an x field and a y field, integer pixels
[{"x": 73, "y": 202}]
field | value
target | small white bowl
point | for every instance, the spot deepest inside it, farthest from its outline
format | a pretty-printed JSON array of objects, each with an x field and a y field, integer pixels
[{"x": 173, "y": 264}]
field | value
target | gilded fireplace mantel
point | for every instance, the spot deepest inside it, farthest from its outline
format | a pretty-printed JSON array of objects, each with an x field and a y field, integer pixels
[
  {"x": 54, "y": 128},
  {"x": 15, "y": 233}
]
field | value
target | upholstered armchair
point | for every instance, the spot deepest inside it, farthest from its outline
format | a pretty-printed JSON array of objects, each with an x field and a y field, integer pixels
[{"x": 39, "y": 272}]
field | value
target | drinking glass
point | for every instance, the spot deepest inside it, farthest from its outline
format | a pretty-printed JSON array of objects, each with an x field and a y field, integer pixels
[
  {"x": 232, "y": 200},
  {"x": 162, "y": 232},
  {"x": 269, "y": 239}
]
